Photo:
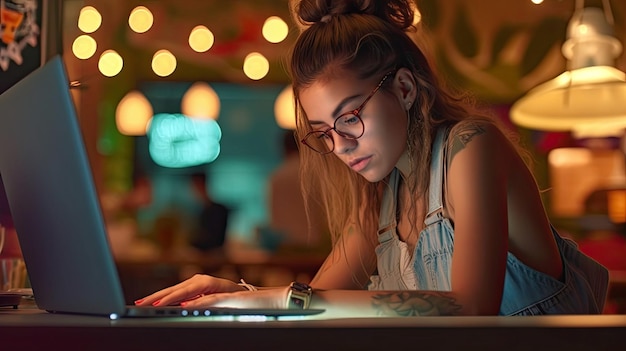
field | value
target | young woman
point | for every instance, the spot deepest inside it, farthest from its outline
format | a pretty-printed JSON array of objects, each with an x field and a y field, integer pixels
[{"x": 434, "y": 210}]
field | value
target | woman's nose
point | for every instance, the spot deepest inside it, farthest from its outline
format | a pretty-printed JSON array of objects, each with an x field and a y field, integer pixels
[{"x": 342, "y": 144}]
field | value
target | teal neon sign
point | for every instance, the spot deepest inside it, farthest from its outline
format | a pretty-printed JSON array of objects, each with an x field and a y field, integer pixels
[{"x": 177, "y": 141}]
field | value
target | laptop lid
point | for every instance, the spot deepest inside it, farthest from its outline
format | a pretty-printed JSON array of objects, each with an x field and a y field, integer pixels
[
  {"x": 56, "y": 209},
  {"x": 52, "y": 198}
]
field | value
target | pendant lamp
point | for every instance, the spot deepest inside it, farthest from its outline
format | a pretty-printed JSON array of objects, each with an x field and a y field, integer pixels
[{"x": 589, "y": 99}]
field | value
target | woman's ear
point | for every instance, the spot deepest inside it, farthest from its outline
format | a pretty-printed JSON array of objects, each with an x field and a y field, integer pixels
[{"x": 406, "y": 85}]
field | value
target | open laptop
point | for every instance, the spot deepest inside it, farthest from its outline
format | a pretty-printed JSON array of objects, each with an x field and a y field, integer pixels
[{"x": 56, "y": 210}]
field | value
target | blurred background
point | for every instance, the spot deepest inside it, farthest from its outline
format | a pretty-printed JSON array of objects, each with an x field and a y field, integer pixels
[{"x": 185, "y": 112}]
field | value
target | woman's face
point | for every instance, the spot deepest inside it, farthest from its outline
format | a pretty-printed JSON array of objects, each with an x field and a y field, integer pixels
[{"x": 384, "y": 117}]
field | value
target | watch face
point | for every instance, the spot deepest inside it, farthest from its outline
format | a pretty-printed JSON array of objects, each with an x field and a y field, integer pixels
[
  {"x": 297, "y": 303},
  {"x": 299, "y": 295}
]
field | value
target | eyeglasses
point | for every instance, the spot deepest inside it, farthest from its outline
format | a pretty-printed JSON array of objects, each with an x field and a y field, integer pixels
[{"x": 348, "y": 125}]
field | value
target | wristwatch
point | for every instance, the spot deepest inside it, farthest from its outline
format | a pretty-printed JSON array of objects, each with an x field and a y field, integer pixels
[{"x": 299, "y": 296}]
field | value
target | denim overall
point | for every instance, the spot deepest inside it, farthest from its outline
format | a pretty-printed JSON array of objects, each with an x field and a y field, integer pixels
[{"x": 582, "y": 290}]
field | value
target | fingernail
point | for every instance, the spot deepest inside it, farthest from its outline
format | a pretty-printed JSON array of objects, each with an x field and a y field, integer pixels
[
  {"x": 156, "y": 303},
  {"x": 183, "y": 304},
  {"x": 137, "y": 302}
]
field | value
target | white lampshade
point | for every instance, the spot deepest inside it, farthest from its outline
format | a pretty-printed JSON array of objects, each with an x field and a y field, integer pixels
[
  {"x": 588, "y": 99},
  {"x": 584, "y": 98},
  {"x": 201, "y": 101},
  {"x": 133, "y": 113},
  {"x": 284, "y": 109}
]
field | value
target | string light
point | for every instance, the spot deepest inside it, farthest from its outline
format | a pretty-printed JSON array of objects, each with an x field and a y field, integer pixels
[
  {"x": 201, "y": 39},
  {"x": 163, "y": 63},
  {"x": 110, "y": 63},
  {"x": 140, "y": 19},
  {"x": 275, "y": 29},
  {"x": 255, "y": 66},
  {"x": 84, "y": 47},
  {"x": 89, "y": 19}
]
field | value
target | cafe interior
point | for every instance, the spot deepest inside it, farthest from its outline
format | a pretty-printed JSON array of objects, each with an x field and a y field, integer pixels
[{"x": 167, "y": 90}]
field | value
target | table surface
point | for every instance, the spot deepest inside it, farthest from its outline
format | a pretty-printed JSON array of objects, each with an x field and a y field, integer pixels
[{"x": 29, "y": 328}]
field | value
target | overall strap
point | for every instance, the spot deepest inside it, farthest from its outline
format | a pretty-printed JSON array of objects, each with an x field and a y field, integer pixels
[{"x": 437, "y": 174}]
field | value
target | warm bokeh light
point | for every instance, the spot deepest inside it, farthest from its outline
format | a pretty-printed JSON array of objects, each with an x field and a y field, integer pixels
[
  {"x": 575, "y": 172},
  {"x": 140, "y": 19},
  {"x": 255, "y": 66},
  {"x": 84, "y": 47},
  {"x": 133, "y": 113},
  {"x": 200, "y": 101},
  {"x": 569, "y": 157},
  {"x": 89, "y": 19},
  {"x": 284, "y": 109},
  {"x": 537, "y": 2},
  {"x": 163, "y": 63},
  {"x": 110, "y": 63},
  {"x": 201, "y": 39},
  {"x": 275, "y": 29},
  {"x": 617, "y": 205}
]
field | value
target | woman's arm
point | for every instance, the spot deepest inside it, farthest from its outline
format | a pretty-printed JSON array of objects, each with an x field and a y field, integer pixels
[
  {"x": 477, "y": 194},
  {"x": 347, "y": 267},
  {"x": 343, "y": 303},
  {"x": 349, "y": 303}
]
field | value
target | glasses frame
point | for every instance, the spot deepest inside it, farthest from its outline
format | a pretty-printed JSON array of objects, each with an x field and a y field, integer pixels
[{"x": 356, "y": 113}]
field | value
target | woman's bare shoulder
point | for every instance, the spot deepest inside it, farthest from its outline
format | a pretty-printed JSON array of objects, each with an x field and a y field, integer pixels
[{"x": 485, "y": 134}]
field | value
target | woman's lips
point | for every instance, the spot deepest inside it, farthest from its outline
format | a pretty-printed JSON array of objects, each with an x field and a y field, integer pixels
[{"x": 360, "y": 163}]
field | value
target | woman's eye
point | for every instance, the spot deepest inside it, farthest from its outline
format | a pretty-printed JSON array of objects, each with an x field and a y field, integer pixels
[
  {"x": 322, "y": 135},
  {"x": 349, "y": 119}
]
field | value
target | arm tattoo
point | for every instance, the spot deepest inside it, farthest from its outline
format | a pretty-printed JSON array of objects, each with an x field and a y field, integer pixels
[
  {"x": 463, "y": 137},
  {"x": 415, "y": 303}
]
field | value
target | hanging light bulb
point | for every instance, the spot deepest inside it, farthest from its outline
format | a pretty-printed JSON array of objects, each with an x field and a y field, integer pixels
[
  {"x": 89, "y": 19},
  {"x": 133, "y": 113},
  {"x": 275, "y": 29},
  {"x": 84, "y": 47},
  {"x": 200, "y": 101},
  {"x": 163, "y": 63},
  {"x": 255, "y": 66},
  {"x": 201, "y": 39},
  {"x": 110, "y": 63},
  {"x": 140, "y": 19},
  {"x": 590, "y": 97}
]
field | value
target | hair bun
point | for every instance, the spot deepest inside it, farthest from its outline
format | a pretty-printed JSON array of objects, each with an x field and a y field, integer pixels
[
  {"x": 309, "y": 12},
  {"x": 314, "y": 11}
]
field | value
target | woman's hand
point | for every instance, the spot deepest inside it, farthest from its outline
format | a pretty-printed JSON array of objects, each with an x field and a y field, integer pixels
[
  {"x": 193, "y": 288},
  {"x": 273, "y": 298}
]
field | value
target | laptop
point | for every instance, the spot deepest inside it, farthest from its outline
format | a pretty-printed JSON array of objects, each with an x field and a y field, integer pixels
[{"x": 56, "y": 209}]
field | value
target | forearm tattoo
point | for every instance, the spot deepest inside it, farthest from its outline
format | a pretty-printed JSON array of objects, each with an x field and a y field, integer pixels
[{"x": 415, "y": 303}]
